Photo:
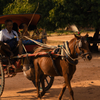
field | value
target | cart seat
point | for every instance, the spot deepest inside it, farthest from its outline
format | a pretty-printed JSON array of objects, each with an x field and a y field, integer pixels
[
  {"x": 29, "y": 42},
  {"x": 29, "y": 45}
]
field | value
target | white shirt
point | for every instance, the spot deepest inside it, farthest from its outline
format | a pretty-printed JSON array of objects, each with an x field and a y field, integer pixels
[{"x": 5, "y": 35}]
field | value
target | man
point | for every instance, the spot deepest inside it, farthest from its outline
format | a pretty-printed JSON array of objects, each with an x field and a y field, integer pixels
[
  {"x": 9, "y": 36},
  {"x": 25, "y": 29}
]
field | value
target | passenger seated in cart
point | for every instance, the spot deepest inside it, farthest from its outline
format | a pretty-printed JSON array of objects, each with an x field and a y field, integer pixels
[
  {"x": 25, "y": 29},
  {"x": 9, "y": 36},
  {"x": 15, "y": 27}
]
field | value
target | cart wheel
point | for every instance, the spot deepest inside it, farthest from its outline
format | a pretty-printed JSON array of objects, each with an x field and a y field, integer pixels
[
  {"x": 2, "y": 79},
  {"x": 48, "y": 83}
]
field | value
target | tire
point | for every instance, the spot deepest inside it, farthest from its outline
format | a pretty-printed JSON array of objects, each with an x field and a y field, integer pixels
[
  {"x": 48, "y": 82},
  {"x": 2, "y": 78}
]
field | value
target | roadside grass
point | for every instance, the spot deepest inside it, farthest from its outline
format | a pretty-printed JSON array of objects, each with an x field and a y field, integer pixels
[
  {"x": 60, "y": 32},
  {"x": 52, "y": 42}
]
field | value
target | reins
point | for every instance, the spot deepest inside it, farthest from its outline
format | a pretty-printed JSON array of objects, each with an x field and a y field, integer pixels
[
  {"x": 54, "y": 47},
  {"x": 41, "y": 44}
]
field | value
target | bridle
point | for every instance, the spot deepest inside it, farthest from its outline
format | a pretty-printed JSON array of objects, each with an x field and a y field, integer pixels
[{"x": 79, "y": 46}]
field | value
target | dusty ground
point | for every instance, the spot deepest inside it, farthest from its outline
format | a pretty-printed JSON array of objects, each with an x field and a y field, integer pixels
[{"x": 85, "y": 83}]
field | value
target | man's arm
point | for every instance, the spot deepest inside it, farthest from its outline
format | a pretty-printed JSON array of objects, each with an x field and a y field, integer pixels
[{"x": 1, "y": 36}]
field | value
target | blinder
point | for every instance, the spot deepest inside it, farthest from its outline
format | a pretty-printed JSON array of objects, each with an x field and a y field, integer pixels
[{"x": 79, "y": 45}]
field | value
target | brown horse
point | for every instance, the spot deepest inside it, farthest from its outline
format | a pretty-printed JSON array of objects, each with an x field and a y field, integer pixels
[{"x": 49, "y": 65}]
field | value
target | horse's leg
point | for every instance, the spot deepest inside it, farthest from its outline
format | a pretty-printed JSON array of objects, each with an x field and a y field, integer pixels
[
  {"x": 62, "y": 91},
  {"x": 37, "y": 80},
  {"x": 43, "y": 85},
  {"x": 67, "y": 83}
]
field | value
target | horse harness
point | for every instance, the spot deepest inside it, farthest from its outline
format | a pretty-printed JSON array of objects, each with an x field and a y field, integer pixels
[{"x": 66, "y": 54}]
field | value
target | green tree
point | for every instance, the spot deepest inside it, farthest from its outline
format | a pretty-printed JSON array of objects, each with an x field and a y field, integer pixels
[
  {"x": 29, "y": 6},
  {"x": 82, "y": 13},
  {"x": 3, "y": 4},
  {"x": 44, "y": 7},
  {"x": 19, "y": 7},
  {"x": 60, "y": 13}
]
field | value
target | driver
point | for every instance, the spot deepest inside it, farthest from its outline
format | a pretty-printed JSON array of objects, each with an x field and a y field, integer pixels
[{"x": 9, "y": 36}]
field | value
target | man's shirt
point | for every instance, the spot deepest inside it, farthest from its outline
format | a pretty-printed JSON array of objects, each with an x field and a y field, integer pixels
[{"x": 5, "y": 35}]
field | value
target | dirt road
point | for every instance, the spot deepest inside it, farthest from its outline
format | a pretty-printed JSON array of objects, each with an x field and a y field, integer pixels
[{"x": 85, "y": 83}]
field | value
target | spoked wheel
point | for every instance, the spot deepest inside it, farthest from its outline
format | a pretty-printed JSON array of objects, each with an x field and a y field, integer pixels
[
  {"x": 2, "y": 78},
  {"x": 48, "y": 82}
]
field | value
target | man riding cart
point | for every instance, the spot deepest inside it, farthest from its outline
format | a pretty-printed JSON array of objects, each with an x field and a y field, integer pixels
[
  {"x": 10, "y": 39},
  {"x": 9, "y": 36}
]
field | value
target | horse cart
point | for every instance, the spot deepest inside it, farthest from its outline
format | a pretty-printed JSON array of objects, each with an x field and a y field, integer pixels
[{"x": 28, "y": 46}]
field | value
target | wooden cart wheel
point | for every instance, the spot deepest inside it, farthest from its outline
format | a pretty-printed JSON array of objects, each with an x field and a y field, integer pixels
[
  {"x": 48, "y": 82},
  {"x": 2, "y": 78}
]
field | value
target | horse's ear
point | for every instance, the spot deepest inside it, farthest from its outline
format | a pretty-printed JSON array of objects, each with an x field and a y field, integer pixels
[
  {"x": 78, "y": 37},
  {"x": 86, "y": 35}
]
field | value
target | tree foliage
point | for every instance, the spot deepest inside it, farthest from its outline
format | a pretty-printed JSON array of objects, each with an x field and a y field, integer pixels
[
  {"x": 19, "y": 7},
  {"x": 3, "y": 4},
  {"x": 82, "y": 13},
  {"x": 58, "y": 13},
  {"x": 44, "y": 7}
]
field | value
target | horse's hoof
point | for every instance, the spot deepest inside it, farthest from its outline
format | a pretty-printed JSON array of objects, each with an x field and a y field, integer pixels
[
  {"x": 39, "y": 96},
  {"x": 42, "y": 94},
  {"x": 59, "y": 98}
]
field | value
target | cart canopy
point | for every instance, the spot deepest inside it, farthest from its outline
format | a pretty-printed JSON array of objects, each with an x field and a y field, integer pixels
[{"x": 21, "y": 18}]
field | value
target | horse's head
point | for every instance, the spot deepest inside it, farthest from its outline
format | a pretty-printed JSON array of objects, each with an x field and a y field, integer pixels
[{"x": 82, "y": 47}]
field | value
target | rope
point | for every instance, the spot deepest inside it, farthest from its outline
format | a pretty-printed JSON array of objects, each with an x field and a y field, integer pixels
[
  {"x": 41, "y": 44},
  {"x": 70, "y": 56},
  {"x": 67, "y": 48},
  {"x": 24, "y": 48}
]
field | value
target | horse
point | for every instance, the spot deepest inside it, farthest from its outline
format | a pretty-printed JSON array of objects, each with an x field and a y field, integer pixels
[{"x": 56, "y": 66}]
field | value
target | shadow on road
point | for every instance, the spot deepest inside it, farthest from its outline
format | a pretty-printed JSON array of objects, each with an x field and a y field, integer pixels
[
  {"x": 27, "y": 91},
  {"x": 80, "y": 93},
  {"x": 20, "y": 97}
]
